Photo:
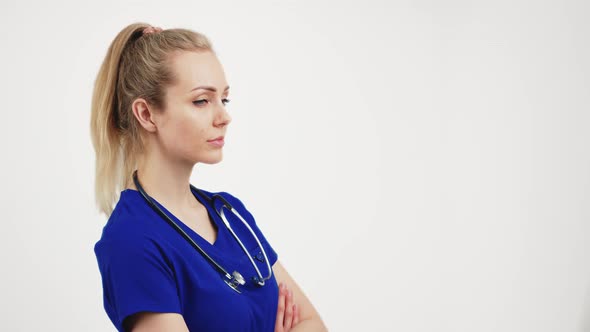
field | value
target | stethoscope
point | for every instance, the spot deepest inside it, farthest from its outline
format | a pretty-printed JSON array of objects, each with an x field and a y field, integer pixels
[{"x": 234, "y": 279}]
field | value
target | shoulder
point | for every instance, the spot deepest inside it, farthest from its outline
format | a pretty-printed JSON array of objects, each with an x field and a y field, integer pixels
[
  {"x": 121, "y": 241},
  {"x": 127, "y": 229},
  {"x": 133, "y": 253}
]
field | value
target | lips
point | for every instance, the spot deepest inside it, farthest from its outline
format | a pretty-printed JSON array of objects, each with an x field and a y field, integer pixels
[{"x": 220, "y": 138}]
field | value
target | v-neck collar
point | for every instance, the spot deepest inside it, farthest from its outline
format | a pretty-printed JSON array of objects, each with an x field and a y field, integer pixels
[{"x": 194, "y": 235}]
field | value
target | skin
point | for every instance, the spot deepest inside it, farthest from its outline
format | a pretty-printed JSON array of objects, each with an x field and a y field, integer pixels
[{"x": 176, "y": 139}]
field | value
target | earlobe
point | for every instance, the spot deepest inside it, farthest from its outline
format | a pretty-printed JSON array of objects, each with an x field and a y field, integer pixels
[{"x": 143, "y": 114}]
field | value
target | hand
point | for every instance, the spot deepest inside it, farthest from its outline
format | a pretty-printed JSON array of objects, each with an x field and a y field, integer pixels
[{"x": 287, "y": 311}]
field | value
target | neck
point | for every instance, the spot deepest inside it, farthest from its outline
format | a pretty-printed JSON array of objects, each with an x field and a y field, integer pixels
[{"x": 167, "y": 182}]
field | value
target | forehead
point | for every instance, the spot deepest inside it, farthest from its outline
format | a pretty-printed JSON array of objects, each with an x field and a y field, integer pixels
[{"x": 195, "y": 68}]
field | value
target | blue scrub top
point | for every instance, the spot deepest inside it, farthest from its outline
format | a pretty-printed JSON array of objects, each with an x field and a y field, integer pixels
[{"x": 146, "y": 265}]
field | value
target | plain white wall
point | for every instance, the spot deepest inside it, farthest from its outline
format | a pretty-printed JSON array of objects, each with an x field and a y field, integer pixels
[{"x": 417, "y": 165}]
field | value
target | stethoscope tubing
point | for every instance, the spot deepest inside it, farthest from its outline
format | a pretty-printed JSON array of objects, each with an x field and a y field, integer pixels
[
  {"x": 180, "y": 230},
  {"x": 232, "y": 279},
  {"x": 260, "y": 280}
]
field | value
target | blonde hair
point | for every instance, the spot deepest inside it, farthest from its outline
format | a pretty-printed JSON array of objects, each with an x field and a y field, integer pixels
[{"x": 136, "y": 65}]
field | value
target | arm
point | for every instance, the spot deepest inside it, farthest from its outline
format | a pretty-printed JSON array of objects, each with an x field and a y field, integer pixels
[
  {"x": 155, "y": 321},
  {"x": 309, "y": 318}
]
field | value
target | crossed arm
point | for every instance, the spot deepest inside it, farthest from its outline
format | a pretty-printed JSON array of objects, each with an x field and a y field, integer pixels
[{"x": 309, "y": 319}]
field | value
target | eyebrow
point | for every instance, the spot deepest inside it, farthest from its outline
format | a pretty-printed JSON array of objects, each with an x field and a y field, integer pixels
[{"x": 210, "y": 88}]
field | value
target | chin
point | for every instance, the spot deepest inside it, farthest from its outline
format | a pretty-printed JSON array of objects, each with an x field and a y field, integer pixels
[{"x": 212, "y": 160}]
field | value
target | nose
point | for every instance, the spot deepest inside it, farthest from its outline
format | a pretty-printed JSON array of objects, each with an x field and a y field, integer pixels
[{"x": 222, "y": 117}]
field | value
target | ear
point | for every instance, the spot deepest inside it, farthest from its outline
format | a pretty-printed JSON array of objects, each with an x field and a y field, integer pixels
[{"x": 144, "y": 114}]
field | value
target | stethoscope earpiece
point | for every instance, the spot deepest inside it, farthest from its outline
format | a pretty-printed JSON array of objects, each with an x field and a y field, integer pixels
[{"x": 258, "y": 281}]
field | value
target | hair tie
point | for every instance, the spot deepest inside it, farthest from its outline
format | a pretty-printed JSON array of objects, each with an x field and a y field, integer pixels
[{"x": 151, "y": 29}]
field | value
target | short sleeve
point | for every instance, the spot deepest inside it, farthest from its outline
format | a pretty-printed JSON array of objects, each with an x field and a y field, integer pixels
[
  {"x": 135, "y": 277},
  {"x": 239, "y": 205}
]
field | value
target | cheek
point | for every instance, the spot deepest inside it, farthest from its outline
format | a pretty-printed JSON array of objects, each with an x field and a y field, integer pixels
[{"x": 187, "y": 135}]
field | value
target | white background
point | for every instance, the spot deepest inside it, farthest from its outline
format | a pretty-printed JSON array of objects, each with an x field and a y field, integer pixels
[{"x": 417, "y": 165}]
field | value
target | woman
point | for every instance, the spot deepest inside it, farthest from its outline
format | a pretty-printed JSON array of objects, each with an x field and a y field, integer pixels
[{"x": 158, "y": 108}]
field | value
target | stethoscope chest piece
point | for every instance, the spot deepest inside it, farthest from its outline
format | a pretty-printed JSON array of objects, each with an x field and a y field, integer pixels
[{"x": 236, "y": 280}]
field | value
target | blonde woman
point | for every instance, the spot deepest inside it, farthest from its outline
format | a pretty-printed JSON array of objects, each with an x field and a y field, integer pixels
[{"x": 158, "y": 108}]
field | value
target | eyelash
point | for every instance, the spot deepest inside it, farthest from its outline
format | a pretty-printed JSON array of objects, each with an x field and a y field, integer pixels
[{"x": 196, "y": 102}]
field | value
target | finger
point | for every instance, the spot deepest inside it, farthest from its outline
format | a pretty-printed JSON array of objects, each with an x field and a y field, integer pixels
[
  {"x": 295, "y": 315},
  {"x": 280, "y": 310},
  {"x": 288, "y": 310}
]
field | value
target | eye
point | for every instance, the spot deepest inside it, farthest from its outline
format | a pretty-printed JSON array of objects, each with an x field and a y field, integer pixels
[
  {"x": 203, "y": 101},
  {"x": 200, "y": 101}
]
